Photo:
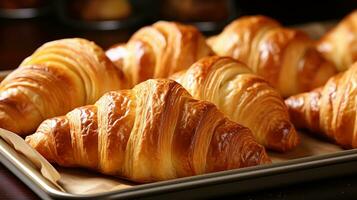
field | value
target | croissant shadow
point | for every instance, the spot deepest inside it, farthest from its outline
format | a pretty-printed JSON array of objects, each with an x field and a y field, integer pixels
[{"x": 311, "y": 144}]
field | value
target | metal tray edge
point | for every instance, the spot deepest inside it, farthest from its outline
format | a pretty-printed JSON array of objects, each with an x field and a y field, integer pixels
[{"x": 187, "y": 183}]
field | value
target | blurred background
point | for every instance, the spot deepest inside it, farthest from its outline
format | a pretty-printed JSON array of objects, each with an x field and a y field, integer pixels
[{"x": 26, "y": 24}]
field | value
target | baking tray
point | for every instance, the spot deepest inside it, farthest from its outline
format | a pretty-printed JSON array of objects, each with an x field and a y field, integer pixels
[{"x": 211, "y": 185}]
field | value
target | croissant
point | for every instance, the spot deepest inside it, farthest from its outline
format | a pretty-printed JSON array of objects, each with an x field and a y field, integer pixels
[
  {"x": 156, "y": 131},
  {"x": 158, "y": 51},
  {"x": 330, "y": 110},
  {"x": 286, "y": 58},
  {"x": 339, "y": 45},
  {"x": 244, "y": 97},
  {"x": 57, "y": 77}
]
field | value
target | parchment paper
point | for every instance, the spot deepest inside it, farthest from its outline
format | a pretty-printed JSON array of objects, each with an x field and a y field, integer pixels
[{"x": 80, "y": 181}]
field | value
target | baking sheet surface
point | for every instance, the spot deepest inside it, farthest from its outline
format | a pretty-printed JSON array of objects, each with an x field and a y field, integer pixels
[{"x": 81, "y": 181}]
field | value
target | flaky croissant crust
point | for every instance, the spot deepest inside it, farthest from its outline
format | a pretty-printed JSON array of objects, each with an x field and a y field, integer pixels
[
  {"x": 158, "y": 51},
  {"x": 57, "y": 77},
  {"x": 156, "y": 131},
  {"x": 286, "y": 58},
  {"x": 329, "y": 110},
  {"x": 339, "y": 45},
  {"x": 244, "y": 97}
]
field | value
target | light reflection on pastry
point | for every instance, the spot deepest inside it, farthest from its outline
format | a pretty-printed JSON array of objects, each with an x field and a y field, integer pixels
[
  {"x": 57, "y": 77},
  {"x": 286, "y": 58},
  {"x": 244, "y": 97},
  {"x": 154, "y": 132},
  {"x": 330, "y": 110},
  {"x": 339, "y": 45},
  {"x": 158, "y": 51}
]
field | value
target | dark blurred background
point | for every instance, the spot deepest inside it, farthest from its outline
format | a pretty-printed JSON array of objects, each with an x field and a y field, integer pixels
[{"x": 26, "y": 24}]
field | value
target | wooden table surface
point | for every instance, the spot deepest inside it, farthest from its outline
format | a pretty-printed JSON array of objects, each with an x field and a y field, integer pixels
[{"x": 19, "y": 38}]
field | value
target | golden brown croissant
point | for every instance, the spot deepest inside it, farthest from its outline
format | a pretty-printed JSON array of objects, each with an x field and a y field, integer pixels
[
  {"x": 339, "y": 45},
  {"x": 286, "y": 58},
  {"x": 330, "y": 110},
  {"x": 156, "y": 131},
  {"x": 244, "y": 97},
  {"x": 57, "y": 77},
  {"x": 158, "y": 51}
]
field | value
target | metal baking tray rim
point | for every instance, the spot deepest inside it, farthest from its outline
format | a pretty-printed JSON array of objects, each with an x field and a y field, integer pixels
[{"x": 182, "y": 183}]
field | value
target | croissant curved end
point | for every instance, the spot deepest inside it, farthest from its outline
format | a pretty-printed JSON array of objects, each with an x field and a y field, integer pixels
[
  {"x": 286, "y": 137},
  {"x": 45, "y": 140},
  {"x": 258, "y": 156},
  {"x": 38, "y": 141},
  {"x": 8, "y": 123}
]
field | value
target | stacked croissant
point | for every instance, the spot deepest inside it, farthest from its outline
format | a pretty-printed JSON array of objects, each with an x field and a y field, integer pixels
[{"x": 170, "y": 103}]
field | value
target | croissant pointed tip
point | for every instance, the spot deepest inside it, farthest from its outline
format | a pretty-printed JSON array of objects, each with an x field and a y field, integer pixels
[
  {"x": 39, "y": 142},
  {"x": 264, "y": 158},
  {"x": 34, "y": 141},
  {"x": 257, "y": 156},
  {"x": 285, "y": 137},
  {"x": 292, "y": 141},
  {"x": 29, "y": 140},
  {"x": 7, "y": 119}
]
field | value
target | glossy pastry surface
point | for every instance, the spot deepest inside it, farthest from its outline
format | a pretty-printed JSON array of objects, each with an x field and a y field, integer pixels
[
  {"x": 244, "y": 97},
  {"x": 156, "y": 131},
  {"x": 286, "y": 58},
  {"x": 329, "y": 110},
  {"x": 339, "y": 45},
  {"x": 57, "y": 77},
  {"x": 158, "y": 51}
]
